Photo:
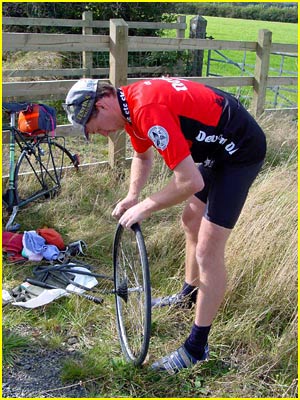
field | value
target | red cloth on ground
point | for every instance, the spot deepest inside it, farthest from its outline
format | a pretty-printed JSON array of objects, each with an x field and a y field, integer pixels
[
  {"x": 52, "y": 237},
  {"x": 12, "y": 245},
  {"x": 12, "y": 242}
]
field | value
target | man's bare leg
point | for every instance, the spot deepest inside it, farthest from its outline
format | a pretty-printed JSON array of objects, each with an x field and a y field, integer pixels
[
  {"x": 204, "y": 265},
  {"x": 210, "y": 255},
  {"x": 191, "y": 221}
]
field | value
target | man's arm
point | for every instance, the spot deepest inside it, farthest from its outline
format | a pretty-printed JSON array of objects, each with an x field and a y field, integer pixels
[
  {"x": 186, "y": 181},
  {"x": 140, "y": 170}
]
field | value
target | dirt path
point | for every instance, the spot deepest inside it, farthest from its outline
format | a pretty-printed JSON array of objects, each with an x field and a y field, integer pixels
[{"x": 36, "y": 373}]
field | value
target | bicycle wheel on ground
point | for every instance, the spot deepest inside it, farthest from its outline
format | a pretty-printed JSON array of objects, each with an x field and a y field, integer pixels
[
  {"x": 41, "y": 168},
  {"x": 132, "y": 293}
]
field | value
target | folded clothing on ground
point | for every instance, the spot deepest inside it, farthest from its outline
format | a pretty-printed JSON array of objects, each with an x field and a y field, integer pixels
[
  {"x": 35, "y": 247},
  {"x": 51, "y": 236}
]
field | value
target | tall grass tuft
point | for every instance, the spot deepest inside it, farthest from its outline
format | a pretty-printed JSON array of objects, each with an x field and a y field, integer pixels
[{"x": 12, "y": 344}]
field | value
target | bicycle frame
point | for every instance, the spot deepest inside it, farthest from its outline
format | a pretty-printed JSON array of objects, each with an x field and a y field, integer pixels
[
  {"x": 43, "y": 169},
  {"x": 11, "y": 186},
  {"x": 15, "y": 137}
]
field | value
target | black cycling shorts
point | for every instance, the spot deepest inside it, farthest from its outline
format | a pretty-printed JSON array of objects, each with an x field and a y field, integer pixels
[{"x": 225, "y": 191}]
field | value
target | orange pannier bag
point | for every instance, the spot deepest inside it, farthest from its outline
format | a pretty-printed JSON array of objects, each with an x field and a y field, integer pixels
[{"x": 38, "y": 119}]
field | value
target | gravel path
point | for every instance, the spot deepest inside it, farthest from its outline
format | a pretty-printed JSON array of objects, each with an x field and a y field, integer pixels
[{"x": 36, "y": 373}]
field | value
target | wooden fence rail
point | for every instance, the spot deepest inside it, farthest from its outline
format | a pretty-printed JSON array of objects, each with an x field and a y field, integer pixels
[
  {"x": 90, "y": 23},
  {"x": 79, "y": 43},
  {"x": 118, "y": 43}
]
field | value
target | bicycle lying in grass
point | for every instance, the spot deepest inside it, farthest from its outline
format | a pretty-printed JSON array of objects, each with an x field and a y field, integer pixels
[{"x": 38, "y": 169}]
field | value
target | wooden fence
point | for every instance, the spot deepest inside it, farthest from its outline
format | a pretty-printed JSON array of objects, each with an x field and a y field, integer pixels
[{"x": 118, "y": 44}]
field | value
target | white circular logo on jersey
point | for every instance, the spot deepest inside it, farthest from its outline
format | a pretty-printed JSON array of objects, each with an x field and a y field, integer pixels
[{"x": 159, "y": 137}]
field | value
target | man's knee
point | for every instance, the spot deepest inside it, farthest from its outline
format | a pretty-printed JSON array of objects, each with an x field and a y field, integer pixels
[
  {"x": 212, "y": 267},
  {"x": 191, "y": 217},
  {"x": 210, "y": 249},
  {"x": 205, "y": 254}
]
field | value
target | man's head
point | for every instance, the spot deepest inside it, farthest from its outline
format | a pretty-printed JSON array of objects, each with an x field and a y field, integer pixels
[{"x": 82, "y": 99}]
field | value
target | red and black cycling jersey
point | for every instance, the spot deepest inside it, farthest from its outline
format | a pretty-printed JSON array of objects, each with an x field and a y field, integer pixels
[{"x": 181, "y": 118}]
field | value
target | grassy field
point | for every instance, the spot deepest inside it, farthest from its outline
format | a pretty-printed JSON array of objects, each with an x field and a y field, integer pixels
[
  {"x": 254, "y": 337},
  {"x": 247, "y": 30}
]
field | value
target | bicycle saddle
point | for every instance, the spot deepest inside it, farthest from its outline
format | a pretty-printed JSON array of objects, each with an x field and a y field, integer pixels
[{"x": 15, "y": 107}]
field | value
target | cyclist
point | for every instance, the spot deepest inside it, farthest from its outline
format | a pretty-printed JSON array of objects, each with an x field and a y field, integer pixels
[{"x": 187, "y": 123}]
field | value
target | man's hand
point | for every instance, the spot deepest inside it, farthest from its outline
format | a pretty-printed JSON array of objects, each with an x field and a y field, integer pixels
[
  {"x": 123, "y": 206},
  {"x": 136, "y": 213}
]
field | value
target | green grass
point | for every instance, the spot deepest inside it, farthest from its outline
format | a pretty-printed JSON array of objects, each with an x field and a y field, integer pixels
[
  {"x": 12, "y": 344},
  {"x": 254, "y": 337},
  {"x": 247, "y": 30}
]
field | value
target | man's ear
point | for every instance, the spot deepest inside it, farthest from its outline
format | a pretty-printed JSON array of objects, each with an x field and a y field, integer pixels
[
  {"x": 99, "y": 103},
  {"x": 103, "y": 103}
]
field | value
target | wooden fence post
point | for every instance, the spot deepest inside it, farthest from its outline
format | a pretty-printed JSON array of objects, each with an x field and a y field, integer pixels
[
  {"x": 87, "y": 56},
  {"x": 118, "y": 63},
  {"x": 180, "y": 33},
  {"x": 198, "y": 26},
  {"x": 261, "y": 71}
]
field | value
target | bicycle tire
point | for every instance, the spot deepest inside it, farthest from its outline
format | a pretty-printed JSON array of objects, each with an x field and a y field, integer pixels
[
  {"x": 40, "y": 169},
  {"x": 132, "y": 293}
]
